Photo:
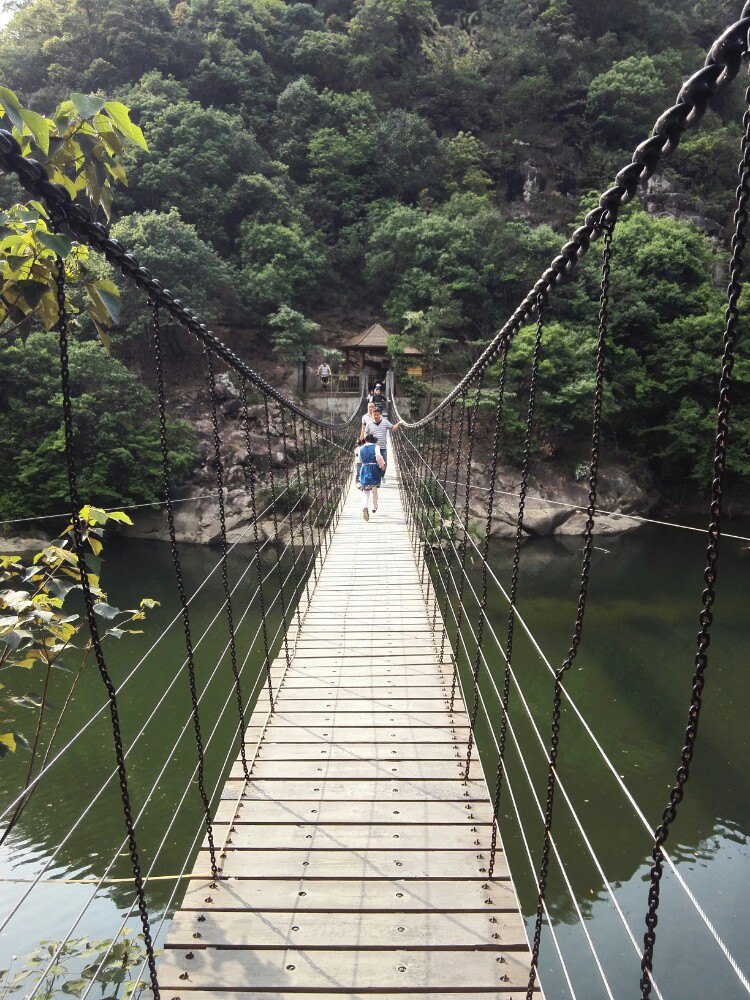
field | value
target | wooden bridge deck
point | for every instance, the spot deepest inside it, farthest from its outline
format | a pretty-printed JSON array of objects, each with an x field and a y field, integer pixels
[{"x": 355, "y": 861}]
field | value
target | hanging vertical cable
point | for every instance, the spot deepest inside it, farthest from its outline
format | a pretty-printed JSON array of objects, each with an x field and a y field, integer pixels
[
  {"x": 219, "y": 467},
  {"x": 88, "y": 599},
  {"x": 582, "y": 594},
  {"x": 708, "y": 597}
]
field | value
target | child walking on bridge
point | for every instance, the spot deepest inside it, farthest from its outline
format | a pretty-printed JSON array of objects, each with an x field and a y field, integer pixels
[{"x": 370, "y": 474}]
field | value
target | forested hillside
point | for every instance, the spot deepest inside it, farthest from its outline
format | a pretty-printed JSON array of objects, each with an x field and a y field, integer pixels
[{"x": 418, "y": 161}]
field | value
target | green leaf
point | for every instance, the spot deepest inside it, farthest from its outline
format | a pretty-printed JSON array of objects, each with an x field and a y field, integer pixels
[
  {"x": 120, "y": 115},
  {"x": 57, "y": 244},
  {"x": 121, "y": 516},
  {"x": 87, "y": 106},
  {"x": 11, "y": 106},
  {"x": 109, "y": 293},
  {"x": 38, "y": 127}
]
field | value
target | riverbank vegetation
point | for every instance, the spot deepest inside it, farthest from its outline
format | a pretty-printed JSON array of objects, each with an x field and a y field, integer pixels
[{"x": 408, "y": 159}]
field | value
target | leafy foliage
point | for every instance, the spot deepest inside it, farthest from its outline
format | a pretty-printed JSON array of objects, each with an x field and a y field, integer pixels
[
  {"x": 116, "y": 433},
  {"x": 37, "y": 628}
]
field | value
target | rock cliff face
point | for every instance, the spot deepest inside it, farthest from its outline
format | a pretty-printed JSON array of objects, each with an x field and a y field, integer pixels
[{"x": 556, "y": 505}]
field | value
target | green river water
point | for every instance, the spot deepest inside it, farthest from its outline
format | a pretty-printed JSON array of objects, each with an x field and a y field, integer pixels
[{"x": 631, "y": 682}]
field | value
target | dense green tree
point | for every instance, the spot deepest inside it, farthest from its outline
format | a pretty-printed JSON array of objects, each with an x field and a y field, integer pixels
[
  {"x": 117, "y": 441},
  {"x": 187, "y": 265},
  {"x": 281, "y": 264},
  {"x": 293, "y": 335}
]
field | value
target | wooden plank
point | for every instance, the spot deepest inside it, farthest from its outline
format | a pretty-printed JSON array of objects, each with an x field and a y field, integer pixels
[
  {"x": 325, "y": 895},
  {"x": 316, "y": 836},
  {"x": 387, "y": 718},
  {"x": 396, "y": 752},
  {"x": 369, "y": 931},
  {"x": 383, "y": 735},
  {"x": 344, "y": 703},
  {"x": 289, "y": 811},
  {"x": 295, "y": 969},
  {"x": 397, "y": 790},
  {"x": 358, "y": 770},
  {"x": 352, "y": 864}
]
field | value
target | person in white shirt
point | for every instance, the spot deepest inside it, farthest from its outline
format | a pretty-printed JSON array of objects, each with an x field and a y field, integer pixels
[
  {"x": 378, "y": 425},
  {"x": 324, "y": 373}
]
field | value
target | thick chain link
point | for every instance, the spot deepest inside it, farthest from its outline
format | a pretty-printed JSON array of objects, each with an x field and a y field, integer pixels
[
  {"x": 710, "y": 574},
  {"x": 184, "y": 611},
  {"x": 219, "y": 467},
  {"x": 508, "y": 653},
  {"x": 485, "y": 554},
  {"x": 465, "y": 526},
  {"x": 588, "y": 544},
  {"x": 251, "y": 483},
  {"x": 88, "y": 599}
]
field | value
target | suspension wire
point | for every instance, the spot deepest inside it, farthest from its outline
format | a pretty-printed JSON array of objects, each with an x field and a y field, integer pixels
[
  {"x": 175, "y": 813},
  {"x": 92, "y": 719},
  {"x": 250, "y": 479},
  {"x": 535, "y": 728},
  {"x": 437, "y": 527},
  {"x": 441, "y": 518},
  {"x": 488, "y": 531},
  {"x": 167, "y": 486},
  {"x": 308, "y": 481},
  {"x": 219, "y": 466},
  {"x": 460, "y": 683},
  {"x": 285, "y": 448},
  {"x": 49, "y": 861},
  {"x": 275, "y": 519},
  {"x": 303, "y": 512},
  {"x": 582, "y": 594},
  {"x": 464, "y": 543},
  {"x": 612, "y": 513},
  {"x": 599, "y": 748},
  {"x": 459, "y": 448},
  {"x": 708, "y": 597},
  {"x": 103, "y": 878},
  {"x": 75, "y": 507},
  {"x": 508, "y": 654}
]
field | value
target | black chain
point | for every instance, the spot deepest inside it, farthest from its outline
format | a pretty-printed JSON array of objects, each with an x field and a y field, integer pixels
[
  {"x": 461, "y": 422},
  {"x": 250, "y": 479},
  {"x": 276, "y": 541},
  {"x": 219, "y": 466},
  {"x": 449, "y": 441},
  {"x": 310, "y": 499},
  {"x": 75, "y": 507},
  {"x": 465, "y": 543},
  {"x": 582, "y": 595},
  {"x": 508, "y": 652},
  {"x": 710, "y": 574},
  {"x": 184, "y": 611},
  {"x": 298, "y": 477},
  {"x": 487, "y": 535},
  {"x": 288, "y": 481}
]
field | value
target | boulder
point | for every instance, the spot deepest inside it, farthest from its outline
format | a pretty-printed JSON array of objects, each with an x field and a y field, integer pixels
[
  {"x": 225, "y": 389},
  {"x": 604, "y": 524}
]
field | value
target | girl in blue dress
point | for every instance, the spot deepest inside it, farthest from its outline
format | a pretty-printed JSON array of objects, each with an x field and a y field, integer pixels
[{"x": 370, "y": 474}]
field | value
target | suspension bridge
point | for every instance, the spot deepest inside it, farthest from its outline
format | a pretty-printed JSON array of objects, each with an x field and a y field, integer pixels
[{"x": 350, "y": 841}]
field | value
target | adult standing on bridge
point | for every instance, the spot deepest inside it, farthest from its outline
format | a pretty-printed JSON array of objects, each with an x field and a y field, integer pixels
[
  {"x": 324, "y": 373},
  {"x": 378, "y": 426}
]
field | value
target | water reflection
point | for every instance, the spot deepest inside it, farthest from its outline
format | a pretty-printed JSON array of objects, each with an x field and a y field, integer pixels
[{"x": 631, "y": 681}]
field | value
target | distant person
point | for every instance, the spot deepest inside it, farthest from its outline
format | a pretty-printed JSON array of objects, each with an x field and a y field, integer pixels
[
  {"x": 365, "y": 417},
  {"x": 378, "y": 426},
  {"x": 371, "y": 473},
  {"x": 324, "y": 373},
  {"x": 379, "y": 398}
]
